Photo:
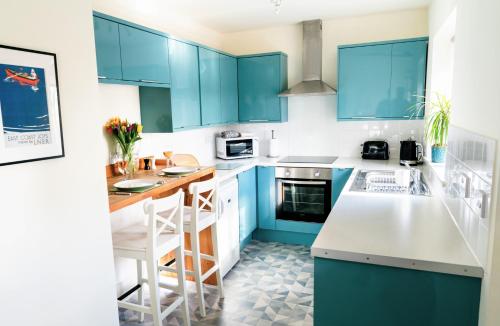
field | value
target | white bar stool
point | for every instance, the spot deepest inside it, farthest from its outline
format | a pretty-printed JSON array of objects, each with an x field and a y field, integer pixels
[
  {"x": 202, "y": 214},
  {"x": 162, "y": 234}
]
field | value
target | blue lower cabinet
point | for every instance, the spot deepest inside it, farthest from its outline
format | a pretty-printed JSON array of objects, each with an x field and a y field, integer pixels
[
  {"x": 356, "y": 294},
  {"x": 247, "y": 202},
  {"x": 339, "y": 179},
  {"x": 266, "y": 197},
  {"x": 298, "y": 238},
  {"x": 296, "y": 226}
]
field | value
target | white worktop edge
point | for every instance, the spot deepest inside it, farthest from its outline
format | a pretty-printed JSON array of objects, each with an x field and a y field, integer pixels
[{"x": 356, "y": 164}]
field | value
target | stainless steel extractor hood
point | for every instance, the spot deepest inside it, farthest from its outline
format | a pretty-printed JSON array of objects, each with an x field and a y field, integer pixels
[{"x": 311, "y": 63}]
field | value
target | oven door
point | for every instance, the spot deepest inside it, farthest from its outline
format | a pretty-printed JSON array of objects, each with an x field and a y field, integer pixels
[
  {"x": 303, "y": 200},
  {"x": 239, "y": 147}
]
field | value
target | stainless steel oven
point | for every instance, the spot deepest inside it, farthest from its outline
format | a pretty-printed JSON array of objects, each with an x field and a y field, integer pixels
[{"x": 303, "y": 194}]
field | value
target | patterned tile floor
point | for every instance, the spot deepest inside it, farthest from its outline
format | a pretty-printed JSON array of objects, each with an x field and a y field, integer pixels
[{"x": 271, "y": 285}]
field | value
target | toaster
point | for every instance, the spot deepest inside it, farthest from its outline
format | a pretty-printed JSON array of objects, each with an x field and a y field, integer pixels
[{"x": 375, "y": 150}]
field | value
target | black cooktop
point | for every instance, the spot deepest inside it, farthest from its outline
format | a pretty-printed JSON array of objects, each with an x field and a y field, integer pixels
[{"x": 309, "y": 159}]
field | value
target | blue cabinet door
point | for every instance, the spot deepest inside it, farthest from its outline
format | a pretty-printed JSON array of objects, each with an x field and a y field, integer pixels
[
  {"x": 185, "y": 85},
  {"x": 359, "y": 294},
  {"x": 210, "y": 87},
  {"x": 408, "y": 74},
  {"x": 229, "y": 88},
  {"x": 364, "y": 82},
  {"x": 144, "y": 56},
  {"x": 247, "y": 202},
  {"x": 340, "y": 177},
  {"x": 266, "y": 197},
  {"x": 260, "y": 80},
  {"x": 107, "y": 47}
]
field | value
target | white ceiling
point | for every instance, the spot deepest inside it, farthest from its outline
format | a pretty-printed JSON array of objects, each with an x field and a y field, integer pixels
[{"x": 237, "y": 15}]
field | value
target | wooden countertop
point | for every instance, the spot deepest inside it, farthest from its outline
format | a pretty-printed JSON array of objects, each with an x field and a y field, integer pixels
[{"x": 117, "y": 202}]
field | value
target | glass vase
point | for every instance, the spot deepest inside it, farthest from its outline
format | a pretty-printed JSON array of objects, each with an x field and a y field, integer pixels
[{"x": 128, "y": 158}]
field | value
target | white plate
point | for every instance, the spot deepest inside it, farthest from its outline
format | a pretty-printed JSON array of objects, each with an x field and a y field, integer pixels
[
  {"x": 134, "y": 184},
  {"x": 179, "y": 170}
]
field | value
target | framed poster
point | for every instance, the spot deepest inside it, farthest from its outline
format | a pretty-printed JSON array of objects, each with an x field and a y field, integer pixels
[{"x": 30, "y": 115}]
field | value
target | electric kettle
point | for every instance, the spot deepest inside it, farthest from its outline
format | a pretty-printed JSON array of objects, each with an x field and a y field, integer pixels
[{"x": 411, "y": 152}]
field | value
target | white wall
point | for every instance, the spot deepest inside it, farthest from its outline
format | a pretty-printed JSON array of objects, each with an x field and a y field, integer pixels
[
  {"x": 476, "y": 107},
  {"x": 312, "y": 128},
  {"x": 157, "y": 14},
  {"x": 57, "y": 263}
]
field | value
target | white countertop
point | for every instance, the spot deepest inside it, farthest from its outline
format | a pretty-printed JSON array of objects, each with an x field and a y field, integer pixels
[{"x": 414, "y": 232}]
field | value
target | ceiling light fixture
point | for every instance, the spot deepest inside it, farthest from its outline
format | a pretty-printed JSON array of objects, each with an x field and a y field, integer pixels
[{"x": 277, "y": 5}]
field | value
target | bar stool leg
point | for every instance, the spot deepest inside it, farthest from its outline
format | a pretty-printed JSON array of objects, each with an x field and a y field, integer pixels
[
  {"x": 140, "y": 293},
  {"x": 215, "y": 246},
  {"x": 181, "y": 277},
  {"x": 154, "y": 292},
  {"x": 195, "y": 247}
]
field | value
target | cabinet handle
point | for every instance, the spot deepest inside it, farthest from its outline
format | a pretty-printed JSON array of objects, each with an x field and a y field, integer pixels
[
  {"x": 148, "y": 81},
  {"x": 102, "y": 77},
  {"x": 258, "y": 120},
  {"x": 365, "y": 117}
]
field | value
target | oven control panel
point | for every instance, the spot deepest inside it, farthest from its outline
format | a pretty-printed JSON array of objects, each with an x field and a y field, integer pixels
[{"x": 303, "y": 173}]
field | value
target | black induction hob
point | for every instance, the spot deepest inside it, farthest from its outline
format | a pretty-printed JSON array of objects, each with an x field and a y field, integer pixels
[{"x": 309, "y": 159}]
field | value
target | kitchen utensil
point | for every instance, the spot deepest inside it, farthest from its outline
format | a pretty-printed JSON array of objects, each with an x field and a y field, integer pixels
[{"x": 120, "y": 193}]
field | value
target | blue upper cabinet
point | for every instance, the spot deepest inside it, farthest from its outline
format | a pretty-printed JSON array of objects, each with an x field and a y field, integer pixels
[
  {"x": 266, "y": 197},
  {"x": 364, "y": 82},
  {"x": 408, "y": 73},
  {"x": 260, "y": 79},
  {"x": 107, "y": 44},
  {"x": 229, "y": 88},
  {"x": 381, "y": 80},
  {"x": 144, "y": 56},
  {"x": 185, "y": 85},
  {"x": 210, "y": 87},
  {"x": 247, "y": 202}
]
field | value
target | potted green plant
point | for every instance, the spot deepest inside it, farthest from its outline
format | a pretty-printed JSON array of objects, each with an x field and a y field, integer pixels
[{"x": 436, "y": 125}]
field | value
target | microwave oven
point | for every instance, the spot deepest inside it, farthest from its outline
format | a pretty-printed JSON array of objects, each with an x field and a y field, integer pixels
[{"x": 233, "y": 148}]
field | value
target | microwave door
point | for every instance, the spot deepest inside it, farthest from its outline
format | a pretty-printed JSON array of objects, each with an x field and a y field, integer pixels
[{"x": 235, "y": 148}]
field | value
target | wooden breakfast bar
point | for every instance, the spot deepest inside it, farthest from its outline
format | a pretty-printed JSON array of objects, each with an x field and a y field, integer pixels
[{"x": 166, "y": 185}]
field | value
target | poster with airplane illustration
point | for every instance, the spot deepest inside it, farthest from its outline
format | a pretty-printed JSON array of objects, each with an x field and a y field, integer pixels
[{"x": 30, "y": 122}]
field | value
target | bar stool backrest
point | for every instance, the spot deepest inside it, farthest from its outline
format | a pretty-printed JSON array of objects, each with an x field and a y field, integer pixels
[
  {"x": 205, "y": 195},
  {"x": 164, "y": 216}
]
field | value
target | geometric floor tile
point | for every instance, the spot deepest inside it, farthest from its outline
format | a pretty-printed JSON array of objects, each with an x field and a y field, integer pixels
[{"x": 272, "y": 285}]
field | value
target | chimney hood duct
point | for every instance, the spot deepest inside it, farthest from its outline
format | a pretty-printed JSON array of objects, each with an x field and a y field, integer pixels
[{"x": 311, "y": 63}]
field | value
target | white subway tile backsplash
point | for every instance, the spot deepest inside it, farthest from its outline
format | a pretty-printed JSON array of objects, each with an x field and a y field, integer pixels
[
  {"x": 313, "y": 129},
  {"x": 469, "y": 170}
]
